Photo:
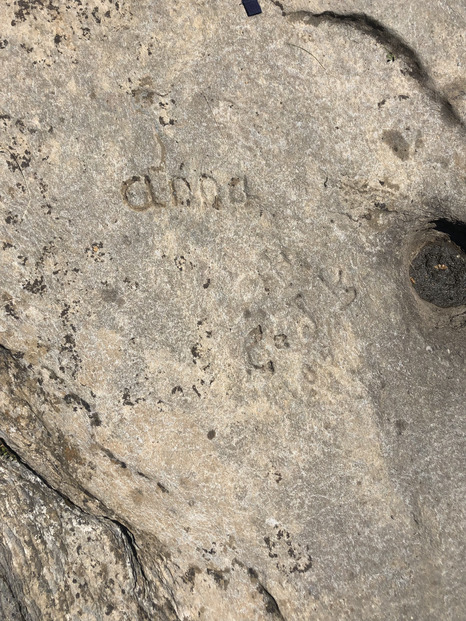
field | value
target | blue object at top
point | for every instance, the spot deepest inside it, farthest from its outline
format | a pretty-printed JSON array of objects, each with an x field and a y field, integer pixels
[{"x": 252, "y": 7}]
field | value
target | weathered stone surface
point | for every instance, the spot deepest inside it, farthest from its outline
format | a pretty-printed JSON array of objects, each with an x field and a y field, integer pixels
[
  {"x": 212, "y": 353},
  {"x": 77, "y": 566}
]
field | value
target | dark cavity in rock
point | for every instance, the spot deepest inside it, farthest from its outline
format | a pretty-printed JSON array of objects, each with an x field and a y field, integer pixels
[
  {"x": 455, "y": 230},
  {"x": 438, "y": 271}
]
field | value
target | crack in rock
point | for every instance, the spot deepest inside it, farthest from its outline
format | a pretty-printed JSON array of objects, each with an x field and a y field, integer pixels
[
  {"x": 144, "y": 598},
  {"x": 389, "y": 39},
  {"x": 131, "y": 543},
  {"x": 11, "y": 608},
  {"x": 271, "y": 604},
  {"x": 17, "y": 376}
]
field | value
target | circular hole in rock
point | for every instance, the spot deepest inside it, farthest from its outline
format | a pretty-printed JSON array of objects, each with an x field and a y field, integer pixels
[{"x": 438, "y": 271}]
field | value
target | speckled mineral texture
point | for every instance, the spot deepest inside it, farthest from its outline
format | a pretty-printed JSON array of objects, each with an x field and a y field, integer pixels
[{"x": 222, "y": 396}]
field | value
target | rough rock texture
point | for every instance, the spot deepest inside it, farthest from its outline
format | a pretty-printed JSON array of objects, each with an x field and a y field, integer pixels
[
  {"x": 221, "y": 396},
  {"x": 73, "y": 561}
]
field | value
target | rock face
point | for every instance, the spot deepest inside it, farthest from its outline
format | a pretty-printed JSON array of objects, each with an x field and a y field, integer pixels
[
  {"x": 224, "y": 395},
  {"x": 57, "y": 561}
]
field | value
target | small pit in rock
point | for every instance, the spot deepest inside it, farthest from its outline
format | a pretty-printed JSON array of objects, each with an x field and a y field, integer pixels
[{"x": 438, "y": 271}]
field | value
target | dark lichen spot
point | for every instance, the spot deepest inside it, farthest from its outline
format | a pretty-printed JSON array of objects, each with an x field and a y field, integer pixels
[
  {"x": 111, "y": 295},
  {"x": 401, "y": 426},
  {"x": 127, "y": 397},
  {"x": 219, "y": 577},
  {"x": 180, "y": 263},
  {"x": 196, "y": 351},
  {"x": 302, "y": 566},
  {"x": 397, "y": 143},
  {"x": 95, "y": 419},
  {"x": 11, "y": 218},
  {"x": 190, "y": 576},
  {"x": 10, "y": 310},
  {"x": 143, "y": 96},
  {"x": 73, "y": 398},
  {"x": 164, "y": 123},
  {"x": 211, "y": 434}
]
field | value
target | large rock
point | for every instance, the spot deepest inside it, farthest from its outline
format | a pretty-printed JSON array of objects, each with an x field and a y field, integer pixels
[
  {"x": 76, "y": 565},
  {"x": 219, "y": 377}
]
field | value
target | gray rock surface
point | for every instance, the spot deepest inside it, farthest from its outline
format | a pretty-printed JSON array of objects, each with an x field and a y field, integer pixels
[
  {"x": 77, "y": 565},
  {"x": 217, "y": 381}
]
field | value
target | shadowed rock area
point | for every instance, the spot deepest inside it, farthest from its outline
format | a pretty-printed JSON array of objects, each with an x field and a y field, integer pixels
[
  {"x": 232, "y": 310},
  {"x": 438, "y": 273}
]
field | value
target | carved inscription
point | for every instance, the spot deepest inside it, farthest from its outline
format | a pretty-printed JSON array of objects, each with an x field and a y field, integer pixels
[{"x": 156, "y": 189}]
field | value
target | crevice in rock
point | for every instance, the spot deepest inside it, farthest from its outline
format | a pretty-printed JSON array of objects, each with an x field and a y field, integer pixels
[
  {"x": 389, "y": 39},
  {"x": 271, "y": 605},
  {"x": 19, "y": 459},
  {"x": 13, "y": 362},
  {"x": 11, "y": 607},
  {"x": 126, "y": 535},
  {"x": 270, "y": 602},
  {"x": 455, "y": 230}
]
